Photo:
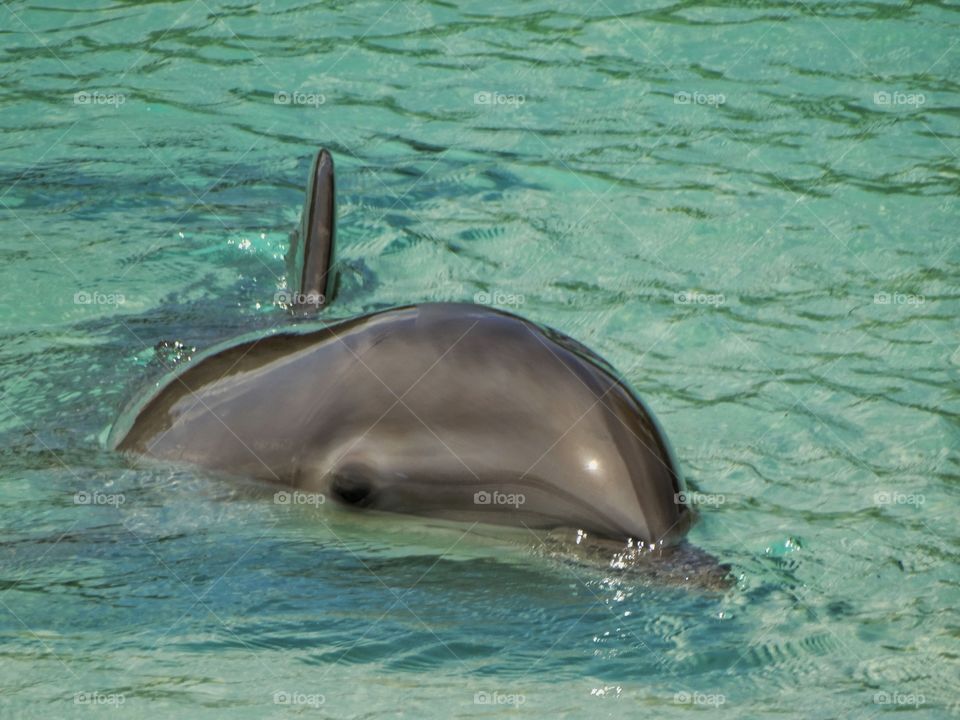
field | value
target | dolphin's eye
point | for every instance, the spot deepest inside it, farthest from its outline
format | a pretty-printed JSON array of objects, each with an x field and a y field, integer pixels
[{"x": 352, "y": 487}]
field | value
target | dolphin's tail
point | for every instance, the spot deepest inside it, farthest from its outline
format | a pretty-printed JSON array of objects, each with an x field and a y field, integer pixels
[{"x": 312, "y": 246}]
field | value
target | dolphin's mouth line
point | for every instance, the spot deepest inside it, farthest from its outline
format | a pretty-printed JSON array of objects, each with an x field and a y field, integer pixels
[{"x": 359, "y": 490}]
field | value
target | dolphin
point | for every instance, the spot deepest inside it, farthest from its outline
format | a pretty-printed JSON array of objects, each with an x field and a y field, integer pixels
[{"x": 453, "y": 411}]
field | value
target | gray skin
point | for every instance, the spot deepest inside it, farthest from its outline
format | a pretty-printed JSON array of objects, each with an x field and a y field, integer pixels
[{"x": 415, "y": 410}]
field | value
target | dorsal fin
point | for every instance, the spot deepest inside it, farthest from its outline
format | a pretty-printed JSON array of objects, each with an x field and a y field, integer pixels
[{"x": 314, "y": 245}]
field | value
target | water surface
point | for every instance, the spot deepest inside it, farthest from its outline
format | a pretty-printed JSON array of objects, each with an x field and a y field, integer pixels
[{"x": 750, "y": 209}]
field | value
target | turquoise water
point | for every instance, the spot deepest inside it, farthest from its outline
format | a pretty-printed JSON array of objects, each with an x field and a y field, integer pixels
[{"x": 750, "y": 209}]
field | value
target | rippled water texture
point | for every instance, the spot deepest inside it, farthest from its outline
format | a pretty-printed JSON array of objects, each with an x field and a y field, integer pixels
[{"x": 749, "y": 208}]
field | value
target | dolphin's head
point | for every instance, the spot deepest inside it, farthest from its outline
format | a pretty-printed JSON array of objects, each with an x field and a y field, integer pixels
[
  {"x": 439, "y": 411},
  {"x": 509, "y": 454},
  {"x": 662, "y": 514}
]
